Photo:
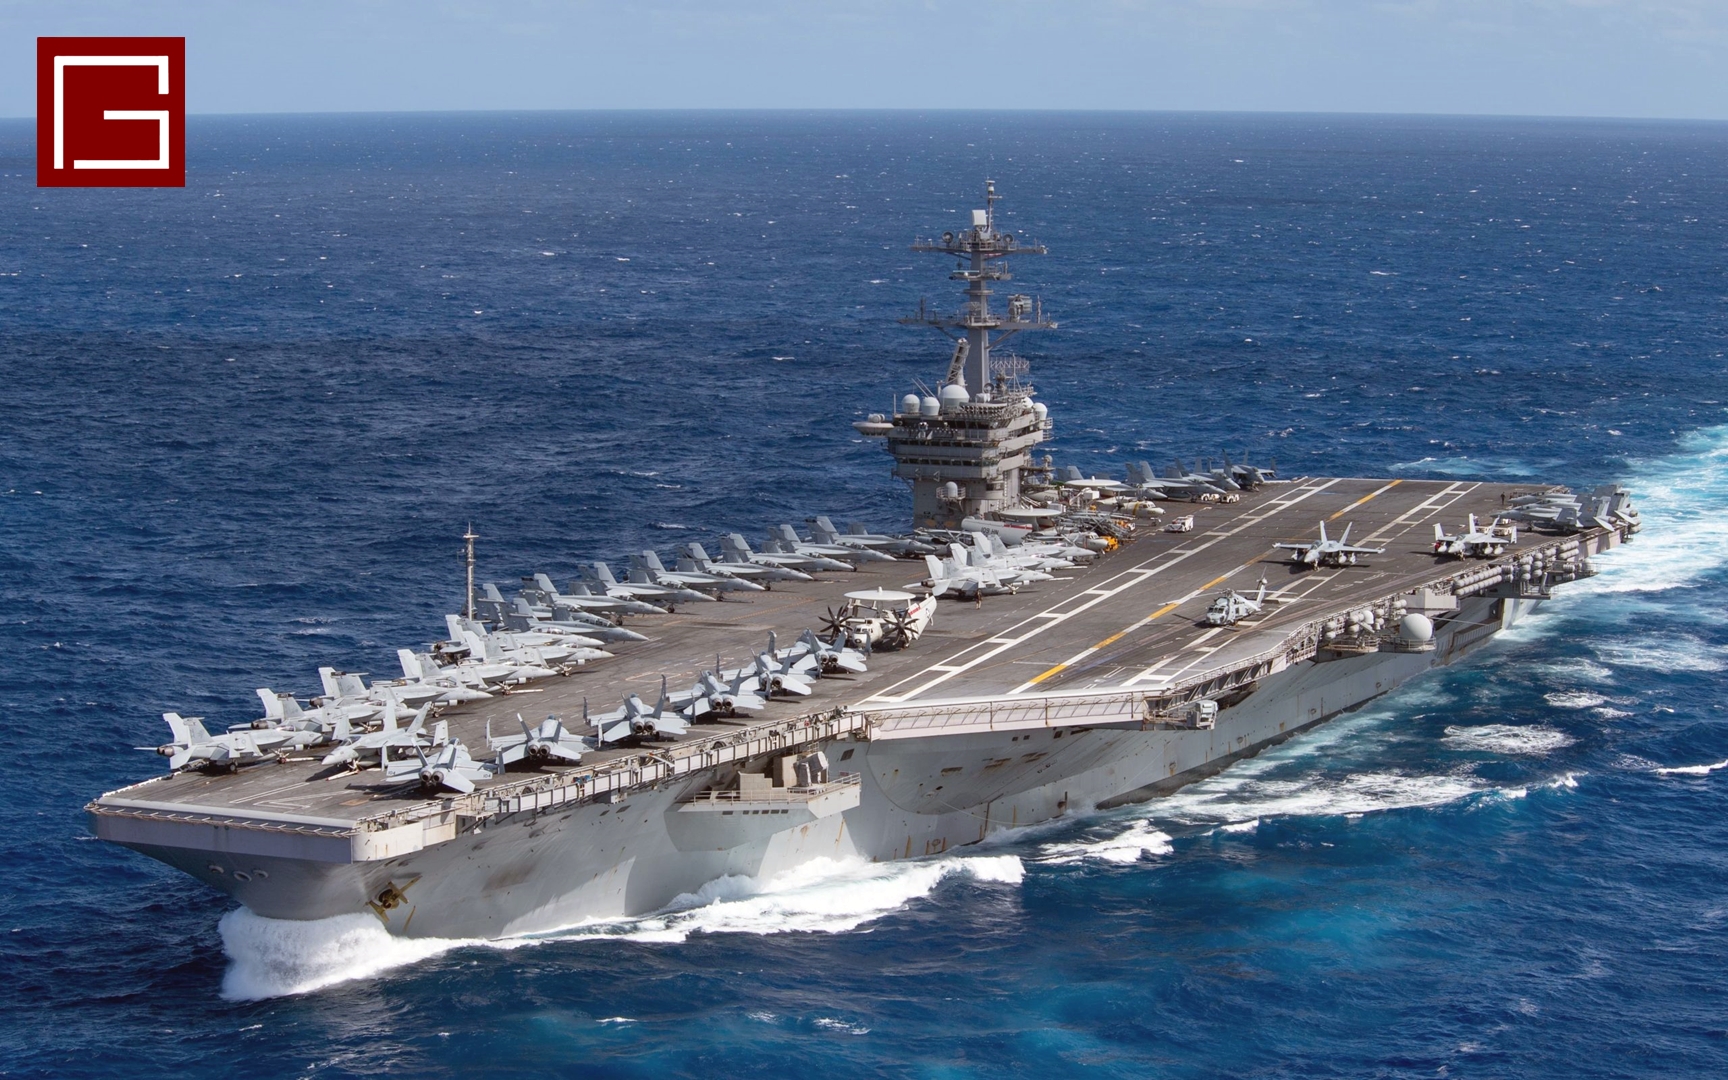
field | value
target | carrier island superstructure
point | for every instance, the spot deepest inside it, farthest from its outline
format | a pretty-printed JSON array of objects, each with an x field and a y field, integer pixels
[{"x": 1101, "y": 687}]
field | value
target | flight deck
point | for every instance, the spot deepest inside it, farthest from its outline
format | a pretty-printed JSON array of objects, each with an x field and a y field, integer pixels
[{"x": 1131, "y": 620}]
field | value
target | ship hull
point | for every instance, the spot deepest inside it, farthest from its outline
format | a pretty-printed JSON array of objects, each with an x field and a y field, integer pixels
[{"x": 913, "y": 797}]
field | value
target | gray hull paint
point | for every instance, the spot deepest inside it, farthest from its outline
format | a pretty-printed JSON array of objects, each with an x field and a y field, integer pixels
[{"x": 916, "y": 797}]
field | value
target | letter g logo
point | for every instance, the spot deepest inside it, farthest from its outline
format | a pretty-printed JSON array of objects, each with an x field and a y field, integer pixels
[{"x": 110, "y": 112}]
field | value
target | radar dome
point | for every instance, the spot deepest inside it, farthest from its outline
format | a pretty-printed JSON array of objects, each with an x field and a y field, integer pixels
[
  {"x": 954, "y": 395},
  {"x": 1416, "y": 629},
  {"x": 929, "y": 407},
  {"x": 1040, "y": 410},
  {"x": 909, "y": 404}
]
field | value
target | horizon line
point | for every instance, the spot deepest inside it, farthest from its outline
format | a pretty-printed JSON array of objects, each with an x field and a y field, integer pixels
[{"x": 957, "y": 110}]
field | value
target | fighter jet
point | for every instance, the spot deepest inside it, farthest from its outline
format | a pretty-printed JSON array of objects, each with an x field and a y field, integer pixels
[
  {"x": 711, "y": 696},
  {"x": 784, "y": 675},
  {"x": 582, "y": 603},
  {"x": 450, "y": 768},
  {"x": 824, "y": 532},
  {"x": 636, "y": 719},
  {"x": 598, "y": 576},
  {"x": 230, "y": 750},
  {"x": 282, "y": 710},
  {"x": 356, "y": 748},
  {"x": 949, "y": 577},
  {"x": 1249, "y": 476},
  {"x": 1031, "y": 555},
  {"x": 1475, "y": 542},
  {"x": 693, "y": 558},
  {"x": 735, "y": 549},
  {"x": 648, "y": 567},
  {"x": 1328, "y": 552},
  {"x": 791, "y": 542},
  {"x": 546, "y": 742},
  {"x": 521, "y": 616},
  {"x": 1144, "y": 482},
  {"x": 831, "y": 657},
  {"x": 1231, "y": 607},
  {"x": 1608, "y": 507}
]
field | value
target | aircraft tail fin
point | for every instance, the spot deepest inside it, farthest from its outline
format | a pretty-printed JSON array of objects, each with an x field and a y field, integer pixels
[
  {"x": 934, "y": 565},
  {"x": 1345, "y": 539},
  {"x": 272, "y": 703},
  {"x": 788, "y": 535},
  {"x": 188, "y": 730},
  {"x": 1439, "y": 532},
  {"x": 410, "y": 665},
  {"x": 602, "y": 573},
  {"x": 453, "y": 624},
  {"x": 651, "y": 559},
  {"x": 490, "y": 592},
  {"x": 327, "y": 679},
  {"x": 823, "y": 530},
  {"x": 1323, "y": 538},
  {"x": 350, "y": 686}
]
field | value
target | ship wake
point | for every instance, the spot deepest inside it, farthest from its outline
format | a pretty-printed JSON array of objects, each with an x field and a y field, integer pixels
[{"x": 270, "y": 958}]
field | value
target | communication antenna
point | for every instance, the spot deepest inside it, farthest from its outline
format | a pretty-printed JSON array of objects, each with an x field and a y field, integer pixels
[{"x": 470, "y": 536}]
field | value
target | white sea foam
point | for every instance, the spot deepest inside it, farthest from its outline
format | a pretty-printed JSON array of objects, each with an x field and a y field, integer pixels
[
  {"x": 1574, "y": 699},
  {"x": 276, "y": 957},
  {"x": 1683, "y": 500},
  {"x": 1314, "y": 796},
  {"x": 1131, "y": 845},
  {"x": 1508, "y": 739},
  {"x": 1691, "y": 770},
  {"x": 822, "y": 896},
  {"x": 1666, "y": 655}
]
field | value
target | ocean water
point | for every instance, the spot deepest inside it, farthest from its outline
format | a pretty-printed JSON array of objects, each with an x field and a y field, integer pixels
[{"x": 245, "y": 423}]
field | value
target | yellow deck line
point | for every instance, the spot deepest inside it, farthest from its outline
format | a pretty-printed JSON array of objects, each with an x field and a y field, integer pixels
[
  {"x": 1113, "y": 638},
  {"x": 1364, "y": 499}
]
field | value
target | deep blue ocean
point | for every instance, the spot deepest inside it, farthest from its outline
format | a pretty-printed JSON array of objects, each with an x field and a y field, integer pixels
[{"x": 243, "y": 425}]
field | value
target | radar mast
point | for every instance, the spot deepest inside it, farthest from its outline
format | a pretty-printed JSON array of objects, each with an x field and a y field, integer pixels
[{"x": 963, "y": 447}]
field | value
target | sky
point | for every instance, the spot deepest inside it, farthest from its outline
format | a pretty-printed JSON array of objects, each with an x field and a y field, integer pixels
[{"x": 1624, "y": 58}]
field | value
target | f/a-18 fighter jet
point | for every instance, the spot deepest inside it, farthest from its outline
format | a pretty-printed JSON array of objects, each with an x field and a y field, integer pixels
[
  {"x": 548, "y": 741},
  {"x": 958, "y": 578},
  {"x": 1475, "y": 542},
  {"x": 1328, "y": 552},
  {"x": 636, "y": 719},
  {"x": 580, "y": 604},
  {"x": 737, "y": 550},
  {"x": 448, "y": 769},
  {"x": 194, "y": 745},
  {"x": 361, "y": 748},
  {"x": 822, "y": 530},
  {"x": 832, "y": 657},
  {"x": 520, "y": 616},
  {"x": 598, "y": 576},
  {"x": 1148, "y": 484},
  {"x": 790, "y": 542},
  {"x": 712, "y": 696},
  {"x": 646, "y": 568},
  {"x": 282, "y": 710},
  {"x": 693, "y": 558}
]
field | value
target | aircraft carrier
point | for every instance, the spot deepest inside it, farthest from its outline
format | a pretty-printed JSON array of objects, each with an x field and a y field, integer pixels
[{"x": 1100, "y": 686}]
